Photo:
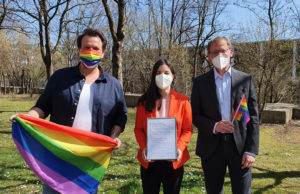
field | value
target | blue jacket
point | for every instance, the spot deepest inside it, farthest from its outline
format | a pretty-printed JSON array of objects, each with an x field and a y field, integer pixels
[{"x": 61, "y": 95}]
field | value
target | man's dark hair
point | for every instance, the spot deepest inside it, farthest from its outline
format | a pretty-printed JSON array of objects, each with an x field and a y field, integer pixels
[{"x": 92, "y": 32}]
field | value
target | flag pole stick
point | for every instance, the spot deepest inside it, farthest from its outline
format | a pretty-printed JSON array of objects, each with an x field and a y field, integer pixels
[{"x": 236, "y": 110}]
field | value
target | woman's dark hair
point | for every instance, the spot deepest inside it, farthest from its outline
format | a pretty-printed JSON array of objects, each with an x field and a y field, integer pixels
[{"x": 152, "y": 94}]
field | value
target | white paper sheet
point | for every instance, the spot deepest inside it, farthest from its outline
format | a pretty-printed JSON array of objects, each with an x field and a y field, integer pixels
[{"x": 161, "y": 139}]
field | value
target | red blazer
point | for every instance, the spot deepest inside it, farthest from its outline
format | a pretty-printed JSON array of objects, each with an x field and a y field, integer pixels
[{"x": 180, "y": 108}]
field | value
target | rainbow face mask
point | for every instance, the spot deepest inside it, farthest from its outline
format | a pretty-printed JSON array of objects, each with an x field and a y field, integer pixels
[{"x": 90, "y": 57}]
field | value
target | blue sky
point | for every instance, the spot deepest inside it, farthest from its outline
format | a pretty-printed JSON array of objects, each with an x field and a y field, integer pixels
[{"x": 235, "y": 16}]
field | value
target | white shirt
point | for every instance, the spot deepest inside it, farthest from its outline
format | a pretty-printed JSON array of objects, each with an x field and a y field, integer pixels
[
  {"x": 164, "y": 108},
  {"x": 83, "y": 116}
]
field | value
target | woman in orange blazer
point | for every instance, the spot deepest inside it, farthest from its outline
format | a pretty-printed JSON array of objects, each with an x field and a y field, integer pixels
[{"x": 162, "y": 101}]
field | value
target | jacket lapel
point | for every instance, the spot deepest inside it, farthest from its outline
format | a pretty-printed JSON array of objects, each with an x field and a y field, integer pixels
[
  {"x": 213, "y": 92},
  {"x": 171, "y": 105},
  {"x": 233, "y": 89},
  {"x": 235, "y": 85}
]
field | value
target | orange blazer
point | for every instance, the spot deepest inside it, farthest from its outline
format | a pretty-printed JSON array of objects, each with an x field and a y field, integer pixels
[{"x": 180, "y": 108}]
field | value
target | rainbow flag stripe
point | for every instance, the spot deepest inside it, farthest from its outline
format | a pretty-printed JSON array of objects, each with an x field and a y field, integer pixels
[
  {"x": 242, "y": 113},
  {"x": 90, "y": 55},
  {"x": 67, "y": 159}
]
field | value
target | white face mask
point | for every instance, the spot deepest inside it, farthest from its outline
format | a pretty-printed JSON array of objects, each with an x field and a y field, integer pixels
[
  {"x": 220, "y": 61},
  {"x": 163, "y": 81}
]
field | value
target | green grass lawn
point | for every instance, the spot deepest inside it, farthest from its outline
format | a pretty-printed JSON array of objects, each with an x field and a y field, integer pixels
[{"x": 277, "y": 168}]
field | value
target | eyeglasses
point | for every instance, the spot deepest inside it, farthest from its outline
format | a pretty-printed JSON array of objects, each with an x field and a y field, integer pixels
[{"x": 220, "y": 51}]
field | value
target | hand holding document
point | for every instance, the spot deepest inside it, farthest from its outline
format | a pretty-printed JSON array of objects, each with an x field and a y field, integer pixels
[{"x": 161, "y": 139}]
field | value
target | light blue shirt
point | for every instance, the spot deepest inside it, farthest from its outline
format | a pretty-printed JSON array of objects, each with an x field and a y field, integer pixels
[{"x": 223, "y": 89}]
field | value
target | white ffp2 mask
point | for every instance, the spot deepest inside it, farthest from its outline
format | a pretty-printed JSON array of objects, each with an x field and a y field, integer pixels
[
  {"x": 220, "y": 61},
  {"x": 163, "y": 81}
]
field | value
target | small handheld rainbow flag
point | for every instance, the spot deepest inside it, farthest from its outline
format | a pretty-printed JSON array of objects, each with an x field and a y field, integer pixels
[
  {"x": 241, "y": 113},
  {"x": 68, "y": 160}
]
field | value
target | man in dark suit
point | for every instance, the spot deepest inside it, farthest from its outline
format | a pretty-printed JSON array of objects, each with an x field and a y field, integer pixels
[{"x": 221, "y": 143}]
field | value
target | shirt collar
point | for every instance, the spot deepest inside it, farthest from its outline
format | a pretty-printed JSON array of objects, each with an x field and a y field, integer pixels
[
  {"x": 217, "y": 75},
  {"x": 101, "y": 78}
]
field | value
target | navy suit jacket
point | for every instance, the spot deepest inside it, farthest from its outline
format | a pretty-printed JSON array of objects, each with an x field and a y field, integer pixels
[{"x": 206, "y": 113}]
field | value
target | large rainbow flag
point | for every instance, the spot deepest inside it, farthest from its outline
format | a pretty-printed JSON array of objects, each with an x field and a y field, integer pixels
[
  {"x": 241, "y": 113},
  {"x": 67, "y": 159}
]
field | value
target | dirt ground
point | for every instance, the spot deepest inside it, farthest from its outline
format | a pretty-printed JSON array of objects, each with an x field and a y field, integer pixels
[{"x": 288, "y": 133}]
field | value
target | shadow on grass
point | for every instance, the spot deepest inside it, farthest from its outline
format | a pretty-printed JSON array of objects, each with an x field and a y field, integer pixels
[
  {"x": 132, "y": 184},
  {"x": 121, "y": 177},
  {"x": 14, "y": 111},
  {"x": 277, "y": 176},
  {"x": 24, "y": 182},
  {"x": 5, "y": 132},
  {"x": 131, "y": 187}
]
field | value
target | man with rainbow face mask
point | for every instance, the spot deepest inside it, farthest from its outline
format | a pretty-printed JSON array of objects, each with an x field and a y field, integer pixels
[{"x": 84, "y": 96}]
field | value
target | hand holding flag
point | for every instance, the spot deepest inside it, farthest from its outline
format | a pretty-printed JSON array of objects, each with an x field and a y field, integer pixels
[{"x": 241, "y": 113}]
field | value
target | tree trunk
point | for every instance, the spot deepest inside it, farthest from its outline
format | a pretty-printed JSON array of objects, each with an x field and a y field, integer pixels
[
  {"x": 23, "y": 82},
  {"x": 117, "y": 36},
  {"x": 49, "y": 67},
  {"x": 4, "y": 82},
  {"x": 117, "y": 62}
]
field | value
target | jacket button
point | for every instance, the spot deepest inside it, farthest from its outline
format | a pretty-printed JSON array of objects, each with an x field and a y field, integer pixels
[{"x": 72, "y": 118}]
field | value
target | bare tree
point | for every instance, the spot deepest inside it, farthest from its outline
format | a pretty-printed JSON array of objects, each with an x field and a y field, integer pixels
[
  {"x": 273, "y": 55},
  {"x": 118, "y": 35},
  {"x": 206, "y": 13},
  {"x": 47, "y": 18},
  {"x": 180, "y": 23},
  {"x": 3, "y": 11},
  {"x": 46, "y": 14},
  {"x": 140, "y": 50},
  {"x": 5, "y": 59},
  {"x": 167, "y": 29},
  {"x": 20, "y": 63},
  {"x": 8, "y": 20},
  {"x": 295, "y": 16}
]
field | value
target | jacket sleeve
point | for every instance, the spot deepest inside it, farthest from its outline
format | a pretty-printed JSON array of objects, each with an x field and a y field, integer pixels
[
  {"x": 252, "y": 140},
  {"x": 45, "y": 100},
  {"x": 204, "y": 124},
  {"x": 187, "y": 130},
  {"x": 140, "y": 135},
  {"x": 121, "y": 113}
]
